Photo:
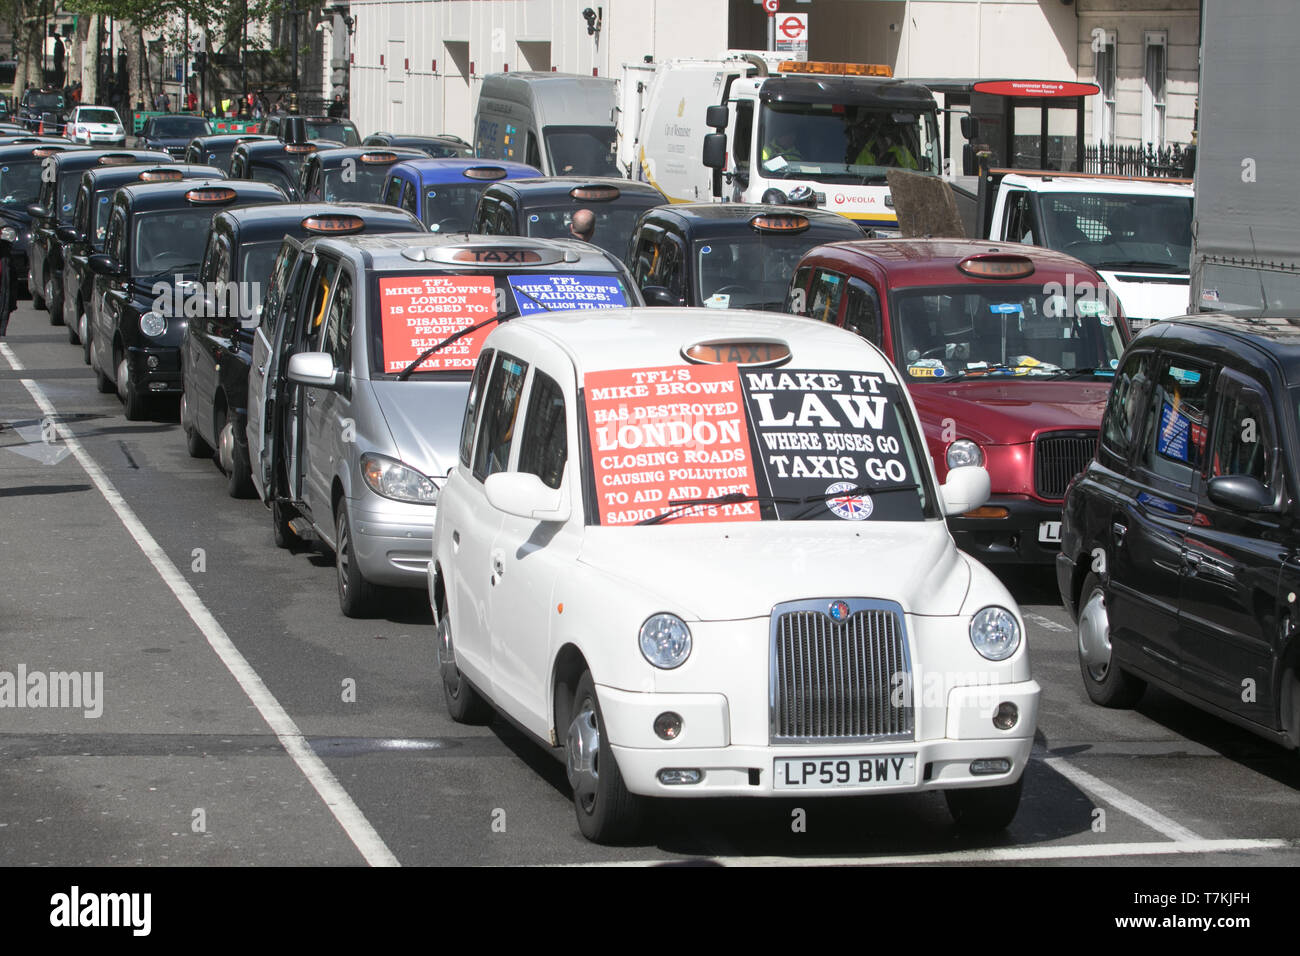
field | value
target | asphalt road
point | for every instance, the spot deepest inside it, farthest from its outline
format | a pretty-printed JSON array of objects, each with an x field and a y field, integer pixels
[{"x": 243, "y": 720}]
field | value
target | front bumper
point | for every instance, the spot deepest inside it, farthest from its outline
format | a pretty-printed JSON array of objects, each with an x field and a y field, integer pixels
[
  {"x": 155, "y": 370},
  {"x": 750, "y": 771},
  {"x": 392, "y": 542},
  {"x": 1009, "y": 540}
]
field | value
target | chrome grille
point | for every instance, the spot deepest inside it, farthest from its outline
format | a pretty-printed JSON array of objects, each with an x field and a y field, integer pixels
[
  {"x": 833, "y": 681},
  {"x": 1058, "y": 458}
]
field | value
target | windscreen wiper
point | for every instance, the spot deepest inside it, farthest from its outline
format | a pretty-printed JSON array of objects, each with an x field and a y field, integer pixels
[
  {"x": 738, "y": 497},
  {"x": 437, "y": 346}
]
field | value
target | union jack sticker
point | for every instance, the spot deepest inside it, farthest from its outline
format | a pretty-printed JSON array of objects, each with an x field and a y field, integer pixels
[{"x": 848, "y": 507}]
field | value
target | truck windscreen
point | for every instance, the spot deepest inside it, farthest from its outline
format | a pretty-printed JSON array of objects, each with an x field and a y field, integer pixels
[
  {"x": 1120, "y": 231},
  {"x": 849, "y": 145}
]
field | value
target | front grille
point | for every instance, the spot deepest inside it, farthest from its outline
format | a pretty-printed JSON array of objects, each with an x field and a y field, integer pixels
[
  {"x": 1058, "y": 458},
  {"x": 835, "y": 681}
]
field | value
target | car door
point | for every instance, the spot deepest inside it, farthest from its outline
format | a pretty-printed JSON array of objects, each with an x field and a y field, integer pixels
[
  {"x": 74, "y": 263},
  {"x": 208, "y": 337},
  {"x": 862, "y": 311},
  {"x": 1151, "y": 515},
  {"x": 529, "y": 556},
  {"x": 316, "y": 449},
  {"x": 1232, "y": 561},
  {"x": 111, "y": 293},
  {"x": 262, "y": 385}
]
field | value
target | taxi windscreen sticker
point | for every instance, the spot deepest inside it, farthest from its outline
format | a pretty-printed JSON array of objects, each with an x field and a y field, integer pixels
[
  {"x": 660, "y": 436},
  {"x": 1174, "y": 429},
  {"x": 420, "y": 311},
  {"x": 552, "y": 293},
  {"x": 821, "y": 435}
]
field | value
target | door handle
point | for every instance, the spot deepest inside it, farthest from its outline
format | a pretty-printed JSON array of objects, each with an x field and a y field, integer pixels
[
  {"x": 1118, "y": 530},
  {"x": 498, "y": 566},
  {"x": 311, "y": 398},
  {"x": 261, "y": 369},
  {"x": 1192, "y": 559}
]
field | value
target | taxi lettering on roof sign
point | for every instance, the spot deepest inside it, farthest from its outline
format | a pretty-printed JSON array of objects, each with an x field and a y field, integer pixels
[{"x": 522, "y": 256}]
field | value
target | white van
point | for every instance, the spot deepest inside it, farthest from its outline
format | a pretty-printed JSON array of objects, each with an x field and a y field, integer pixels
[{"x": 561, "y": 123}]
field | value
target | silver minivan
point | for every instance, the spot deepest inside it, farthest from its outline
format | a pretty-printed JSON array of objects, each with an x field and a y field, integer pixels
[{"x": 361, "y": 368}]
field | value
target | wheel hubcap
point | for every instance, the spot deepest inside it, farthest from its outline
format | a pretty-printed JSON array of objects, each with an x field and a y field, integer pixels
[
  {"x": 344, "y": 557},
  {"x": 583, "y": 746},
  {"x": 124, "y": 378},
  {"x": 447, "y": 658},
  {"x": 81, "y": 326},
  {"x": 1094, "y": 636},
  {"x": 226, "y": 447}
]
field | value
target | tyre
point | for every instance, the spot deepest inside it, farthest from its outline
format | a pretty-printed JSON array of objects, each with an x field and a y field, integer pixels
[
  {"x": 85, "y": 338},
  {"x": 464, "y": 704},
  {"x": 233, "y": 455},
  {"x": 194, "y": 442},
  {"x": 1107, "y": 683},
  {"x": 356, "y": 594},
  {"x": 133, "y": 402},
  {"x": 38, "y": 300},
  {"x": 74, "y": 337},
  {"x": 985, "y": 809},
  {"x": 53, "y": 302},
  {"x": 606, "y": 811},
  {"x": 102, "y": 382}
]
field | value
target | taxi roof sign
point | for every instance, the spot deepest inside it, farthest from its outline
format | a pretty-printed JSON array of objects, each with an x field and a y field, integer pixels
[
  {"x": 785, "y": 222},
  {"x": 160, "y": 175},
  {"x": 595, "y": 193},
  {"x": 747, "y": 351},
  {"x": 334, "y": 225},
  {"x": 1000, "y": 265},
  {"x": 835, "y": 69},
  {"x": 211, "y": 194},
  {"x": 485, "y": 172}
]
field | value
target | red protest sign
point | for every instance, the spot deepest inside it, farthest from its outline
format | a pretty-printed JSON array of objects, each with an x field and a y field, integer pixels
[
  {"x": 419, "y": 311},
  {"x": 662, "y": 435}
]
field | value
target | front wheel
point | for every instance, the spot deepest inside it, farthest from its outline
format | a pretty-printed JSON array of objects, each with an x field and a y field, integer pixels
[
  {"x": 53, "y": 302},
  {"x": 464, "y": 704},
  {"x": 133, "y": 401},
  {"x": 194, "y": 443},
  {"x": 606, "y": 811},
  {"x": 985, "y": 809},
  {"x": 356, "y": 594},
  {"x": 1105, "y": 681}
]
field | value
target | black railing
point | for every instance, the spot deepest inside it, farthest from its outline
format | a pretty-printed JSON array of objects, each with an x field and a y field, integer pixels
[{"x": 1175, "y": 161}]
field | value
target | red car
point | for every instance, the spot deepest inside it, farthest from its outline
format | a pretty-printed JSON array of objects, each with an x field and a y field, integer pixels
[{"x": 1008, "y": 352}]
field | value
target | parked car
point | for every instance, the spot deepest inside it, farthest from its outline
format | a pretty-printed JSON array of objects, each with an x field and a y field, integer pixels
[
  {"x": 545, "y": 208},
  {"x": 435, "y": 147},
  {"x": 95, "y": 126},
  {"x": 727, "y": 255},
  {"x": 54, "y": 207},
  {"x": 43, "y": 111},
  {"x": 1008, "y": 352},
  {"x": 354, "y": 403},
  {"x": 702, "y": 554},
  {"x": 236, "y": 273},
  {"x": 216, "y": 150},
  {"x": 84, "y": 236},
  {"x": 350, "y": 174},
  {"x": 443, "y": 193},
  {"x": 171, "y": 132},
  {"x": 21, "y": 167},
  {"x": 272, "y": 161},
  {"x": 155, "y": 241},
  {"x": 1179, "y": 540}
]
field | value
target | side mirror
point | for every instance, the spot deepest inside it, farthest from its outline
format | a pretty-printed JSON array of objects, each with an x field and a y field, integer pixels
[
  {"x": 37, "y": 211},
  {"x": 715, "y": 150},
  {"x": 525, "y": 496},
  {"x": 1240, "y": 493},
  {"x": 716, "y": 117},
  {"x": 970, "y": 126},
  {"x": 313, "y": 368},
  {"x": 66, "y": 233},
  {"x": 658, "y": 295},
  {"x": 966, "y": 489},
  {"x": 104, "y": 265}
]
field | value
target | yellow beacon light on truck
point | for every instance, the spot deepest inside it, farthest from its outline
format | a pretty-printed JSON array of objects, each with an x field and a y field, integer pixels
[{"x": 836, "y": 69}]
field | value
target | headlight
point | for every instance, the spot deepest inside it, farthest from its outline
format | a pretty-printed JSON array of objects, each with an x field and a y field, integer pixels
[
  {"x": 995, "y": 633},
  {"x": 665, "y": 641},
  {"x": 8, "y": 234},
  {"x": 153, "y": 324},
  {"x": 394, "y": 480},
  {"x": 964, "y": 452}
]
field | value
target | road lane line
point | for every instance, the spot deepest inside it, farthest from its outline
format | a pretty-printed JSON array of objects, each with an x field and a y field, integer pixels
[
  {"x": 1121, "y": 801},
  {"x": 1011, "y": 854},
  {"x": 346, "y": 812},
  {"x": 1046, "y": 623}
]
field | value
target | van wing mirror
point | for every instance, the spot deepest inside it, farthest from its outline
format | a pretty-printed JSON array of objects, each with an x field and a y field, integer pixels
[
  {"x": 715, "y": 150},
  {"x": 717, "y": 117},
  {"x": 526, "y": 496},
  {"x": 313, "y": 368},
  {"x": 970, "y": 127}
]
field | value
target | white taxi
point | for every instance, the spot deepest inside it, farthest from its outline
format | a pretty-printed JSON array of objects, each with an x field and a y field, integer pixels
[{"x": 704, "y": 554}]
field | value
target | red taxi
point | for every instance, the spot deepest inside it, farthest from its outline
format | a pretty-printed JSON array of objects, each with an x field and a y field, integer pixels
[{"x": 1008, "y": 352}]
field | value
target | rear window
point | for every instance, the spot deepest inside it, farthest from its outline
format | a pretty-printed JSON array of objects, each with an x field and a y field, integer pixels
[
  {"x": 672, "y": 443},
  {"x": 614, "y": 223},
  {"x": 344, "y": 133}
]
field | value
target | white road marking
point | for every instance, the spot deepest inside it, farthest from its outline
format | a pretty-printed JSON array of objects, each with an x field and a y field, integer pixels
[
  {"x": 347, "y": 813},
  {"x": 1047, "y": 623},
  {"x": 1121, "y": 801},
  {"x": 1010, "y": 854}
]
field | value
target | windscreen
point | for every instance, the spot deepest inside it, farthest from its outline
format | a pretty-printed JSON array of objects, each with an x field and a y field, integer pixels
[
  {"x": 343, "y": 132},
  {"x": 752, "y": 270},
  {"x": 20, "y": 181},
  {"x": 848, "y": 145},
  {"x": 99, "y": 116},
  {"x": 450, "y": 207},
  {"x": 1140, "y": 233},
  {"x": 46, "y": 101},
  {"x": 169, "y": 241},
  {"x": 266, "y": 173},
  {"x": 355, "y": 182},
  {"x": 581, "y": 150},
  {"x": 414, "y": 311},
  {"x": 180, "y": 127},
  {"x": 614, "y": 223},
  {"x": 1015, "y": 331},
  {"x": 670, "y": 443}
]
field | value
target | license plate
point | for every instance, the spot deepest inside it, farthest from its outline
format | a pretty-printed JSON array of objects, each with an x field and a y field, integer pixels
[
  {"x": 1049, "y": 532},
  {"x": 833, "y": 773}
]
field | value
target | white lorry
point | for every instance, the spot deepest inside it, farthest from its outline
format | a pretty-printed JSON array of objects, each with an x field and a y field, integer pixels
[
  {"x": 1245, "y": 254},
  {"x": 747, "y": 127},
  {"x": 560, "y": 123},
  {"x": 1136, "y": 232}
]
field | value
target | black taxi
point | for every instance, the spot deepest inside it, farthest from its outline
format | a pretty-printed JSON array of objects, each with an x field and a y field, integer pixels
[
  {"x": 235, "y": 275},
  {"x": 53, "y": 208},
  {"x": 727, "y": 255},
  {"x": 21, "y": 167},
  {"x": 274, "y": 162},
  {"x": 217, "y": 149},
  {"x": 1179, "y": 541},
  {"x": 84, "y": 235},
  {"x": 155, "y": 240},
  {"x": 545, "y": 208},
  {"x": 350, "y": 174},
  {"x": 435, "y": 147}
]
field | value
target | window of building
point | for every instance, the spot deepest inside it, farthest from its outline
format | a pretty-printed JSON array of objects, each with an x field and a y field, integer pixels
[
  {"x": 1153, "y": 90},
  {"x": 1103, "y": 116}
]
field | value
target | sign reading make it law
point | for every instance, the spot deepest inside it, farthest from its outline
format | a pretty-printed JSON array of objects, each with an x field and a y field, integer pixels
[{"x": 792, "y": 35}]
